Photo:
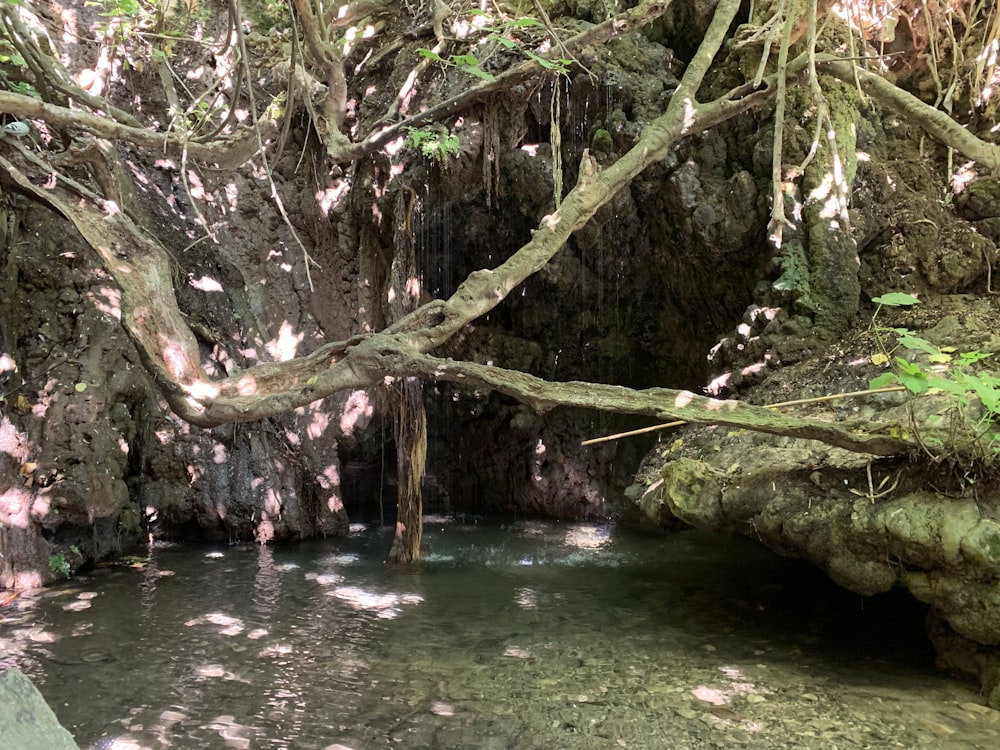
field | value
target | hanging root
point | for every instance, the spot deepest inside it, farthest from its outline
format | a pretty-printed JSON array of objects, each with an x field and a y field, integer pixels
[{"x": 778, "y": 221}]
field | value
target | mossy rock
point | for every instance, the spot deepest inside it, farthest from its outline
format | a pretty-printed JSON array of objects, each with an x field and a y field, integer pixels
[{"x": 980, "y": 200}]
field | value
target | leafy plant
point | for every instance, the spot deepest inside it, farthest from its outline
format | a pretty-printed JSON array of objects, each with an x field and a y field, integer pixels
[
  {"x": 466, "y": 63},
  {"x": 13, "y": 67},
  {"x": 433, "y": 142},
  {"x": 59, "y": 564},
  {"x": 498, "y": 37},
  {"x": 946, "y": 370}
]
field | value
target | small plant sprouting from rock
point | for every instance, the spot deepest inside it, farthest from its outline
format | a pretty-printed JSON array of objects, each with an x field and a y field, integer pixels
[
  {"x": 943, "y": 369},
  {"x": 59, "y": 564},
  {"x": 433, "y": 142}
]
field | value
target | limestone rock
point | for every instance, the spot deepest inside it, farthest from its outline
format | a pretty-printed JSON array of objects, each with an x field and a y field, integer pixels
[{"x": 26, "y": 721}]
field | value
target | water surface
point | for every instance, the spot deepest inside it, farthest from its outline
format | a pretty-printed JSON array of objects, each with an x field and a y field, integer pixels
[{"x": 520, "y": 635}]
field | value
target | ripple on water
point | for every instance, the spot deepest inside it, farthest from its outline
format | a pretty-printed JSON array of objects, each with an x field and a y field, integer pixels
[{"x": 606, "y": 639}]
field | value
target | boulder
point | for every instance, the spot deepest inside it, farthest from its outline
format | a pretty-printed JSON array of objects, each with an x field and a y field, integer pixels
[{"x": 26, "y": 721}]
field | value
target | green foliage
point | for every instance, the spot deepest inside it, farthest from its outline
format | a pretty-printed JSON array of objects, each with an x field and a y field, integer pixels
[
  {"x": 466, "y": 63},
  {"x": 59, "y": 564},
  {"x": 433, "y": 142},
  {"x": 498, "y": 37},
  {"x": 946, "y": 370},
  {"x": 13, "y": 67}
]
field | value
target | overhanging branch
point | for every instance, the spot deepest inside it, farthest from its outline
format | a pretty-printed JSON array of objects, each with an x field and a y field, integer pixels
[
  {"x": 933, "y": 121},
  {"x": 227, "y": 153},
  {"x": 140, "y": 266},
  {"x": 661, "y": 403}
]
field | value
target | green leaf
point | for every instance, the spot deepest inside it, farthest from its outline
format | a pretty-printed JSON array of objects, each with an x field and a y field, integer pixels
[
  {"x": 432, "y": 55},
  {"x": 911, "y": 376},
  {"x": 520, "y": 22},
  {"x": 475, "y": 70},
  {"x": 80, "y": 387},
  {"x": 896, "y": 299},
  {"x": 914, "y": 383},
  {"x": 886, "y": 378},
  {"x": 949, "y": 386},
  {"x": 911, "y": 341},
  {"x": 967, "y": 358}
]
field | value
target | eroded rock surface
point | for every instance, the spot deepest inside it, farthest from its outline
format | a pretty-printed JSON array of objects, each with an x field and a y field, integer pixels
[{"x": 926, "y": 524}]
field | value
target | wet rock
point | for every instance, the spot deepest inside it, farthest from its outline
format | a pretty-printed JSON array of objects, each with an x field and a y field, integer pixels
[
  {"x": 980, "y": 200},
  {"x": 26, "y": 721}
]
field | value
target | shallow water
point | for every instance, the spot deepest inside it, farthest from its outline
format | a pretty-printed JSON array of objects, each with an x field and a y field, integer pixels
[{"x": 522, "y": 635}]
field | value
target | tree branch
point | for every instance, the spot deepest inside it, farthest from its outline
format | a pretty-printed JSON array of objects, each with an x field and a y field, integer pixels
[
  {"x": 623, "y": 23},
  {"x": 661, "y": 403},
  {"x": 227, "y": 153},
  {"x": 935, "y": 122}
]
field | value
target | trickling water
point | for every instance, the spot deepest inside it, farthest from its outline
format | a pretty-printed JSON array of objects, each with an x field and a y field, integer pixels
[{"x": 526, "y": 635}]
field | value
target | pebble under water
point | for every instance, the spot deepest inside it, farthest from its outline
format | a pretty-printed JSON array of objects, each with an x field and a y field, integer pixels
[{"x": 524, "y": 635}]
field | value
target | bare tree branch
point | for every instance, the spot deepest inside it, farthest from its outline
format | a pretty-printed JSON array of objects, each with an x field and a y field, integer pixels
[
  {"x": 227, "y": 153},
  {"x": 936, "y": 123}
]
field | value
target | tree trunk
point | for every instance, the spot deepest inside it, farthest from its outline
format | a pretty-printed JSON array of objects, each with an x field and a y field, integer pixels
[{"x": 411, "y": 455}]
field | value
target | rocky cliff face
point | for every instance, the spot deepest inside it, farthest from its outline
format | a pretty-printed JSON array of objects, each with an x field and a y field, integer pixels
[{"x": 927, "y": 523}]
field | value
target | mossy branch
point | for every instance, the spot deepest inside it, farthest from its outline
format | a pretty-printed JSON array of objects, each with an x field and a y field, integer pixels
[{"x": 933, "y": 121}]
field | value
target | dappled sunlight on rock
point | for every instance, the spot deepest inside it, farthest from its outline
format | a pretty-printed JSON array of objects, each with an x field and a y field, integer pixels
[
  {"x": 357, "y": 412},
  {"x": 329, "y": 199},
  {"x": 318, "y": 425},
  {"x": 285, "y": 345},
  {"x": 205, "y": 284},
  {"x": 710, "y": 695},
  {"x": 108, "y": 300}
]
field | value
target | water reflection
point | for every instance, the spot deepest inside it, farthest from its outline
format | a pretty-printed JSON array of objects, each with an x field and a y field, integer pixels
[{"x": 529, "y": 635}]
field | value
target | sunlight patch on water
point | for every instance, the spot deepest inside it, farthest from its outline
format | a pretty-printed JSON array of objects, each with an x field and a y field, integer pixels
[
  {"x": 385, "y": 606},
  {"x": 228, "y": 625}
]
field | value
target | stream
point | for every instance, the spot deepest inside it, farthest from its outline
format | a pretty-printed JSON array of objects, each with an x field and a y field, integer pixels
[{"x": 520, "y": 634}]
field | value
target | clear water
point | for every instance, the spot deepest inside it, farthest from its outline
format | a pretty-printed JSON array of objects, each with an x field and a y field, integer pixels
[{"x": 521, "y": 635}]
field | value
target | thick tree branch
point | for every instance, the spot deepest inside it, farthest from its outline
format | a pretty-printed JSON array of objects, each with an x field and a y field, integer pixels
[
  {"x": 935, "y": 122},
  {"x": 661, "y": 403},
  {"x": 227, "y": 153}
]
